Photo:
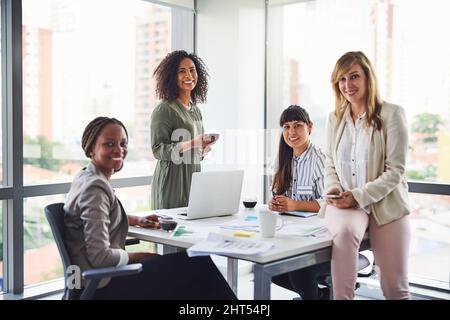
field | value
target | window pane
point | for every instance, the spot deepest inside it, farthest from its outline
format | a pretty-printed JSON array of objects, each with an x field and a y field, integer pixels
[
  {"x": 430, "y": 242},
  {"x": 135, "y": 199},
  {"x": 1, "y": 177},
  {"x": 305, "y": 41},
  {"x": 76, "y": 68},
  {"x": 1, "y": 135},
  {"x": 1, "y": 247},
  {"x": 41, "y": 257},
  {"x": 304, "y": 45},
  {"x": 39, "y": 241}
]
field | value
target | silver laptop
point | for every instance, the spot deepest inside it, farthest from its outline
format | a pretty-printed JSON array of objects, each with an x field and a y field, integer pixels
[{"x": 213, "y": 194}]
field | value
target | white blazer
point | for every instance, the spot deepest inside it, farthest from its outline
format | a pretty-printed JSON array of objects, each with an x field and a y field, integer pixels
[{"x": 386, "y": 190}]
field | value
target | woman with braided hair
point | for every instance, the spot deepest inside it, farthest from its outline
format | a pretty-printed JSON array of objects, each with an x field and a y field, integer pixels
[{"x": 96, "y": 226}]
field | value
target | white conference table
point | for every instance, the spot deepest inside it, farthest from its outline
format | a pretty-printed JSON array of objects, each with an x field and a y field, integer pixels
[{"x": 290, "y": 252}]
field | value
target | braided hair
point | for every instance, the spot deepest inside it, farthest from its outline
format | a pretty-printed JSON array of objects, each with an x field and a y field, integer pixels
[
  {"x": 166, "y": 77},
  {"x": 92, "y": 131}
]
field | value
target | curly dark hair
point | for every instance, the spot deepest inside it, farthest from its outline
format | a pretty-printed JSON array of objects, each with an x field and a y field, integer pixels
[
  {"x": 166, "y": 77},
  {"x": 92, "y": 131}
]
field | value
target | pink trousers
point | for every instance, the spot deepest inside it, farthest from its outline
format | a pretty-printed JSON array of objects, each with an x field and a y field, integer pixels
[{"x": 390, "y": 245}]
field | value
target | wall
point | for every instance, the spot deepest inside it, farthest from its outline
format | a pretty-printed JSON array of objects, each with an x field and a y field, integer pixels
[{"x": 230, "y": 39}]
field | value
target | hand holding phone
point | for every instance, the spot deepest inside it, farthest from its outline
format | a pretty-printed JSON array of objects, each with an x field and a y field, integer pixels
[
  {"x": 211, "y": 137},
  {"x": 331, "y": 196}
]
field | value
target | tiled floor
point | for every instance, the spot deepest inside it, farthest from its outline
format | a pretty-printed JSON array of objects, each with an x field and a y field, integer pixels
[
  {"x": 245, "y": 286},
  {"x": 245, "y": 289}
]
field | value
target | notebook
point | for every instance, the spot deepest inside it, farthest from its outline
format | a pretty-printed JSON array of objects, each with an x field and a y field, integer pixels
[{"x": 302, "y": 214}]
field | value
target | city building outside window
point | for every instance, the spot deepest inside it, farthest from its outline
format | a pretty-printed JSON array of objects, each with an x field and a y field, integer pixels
[
  {"x": 305, "y": 39},
  {"x": 77, "y": 66}
]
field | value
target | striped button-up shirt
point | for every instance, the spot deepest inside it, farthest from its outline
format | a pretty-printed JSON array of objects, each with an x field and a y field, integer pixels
[{"x": 307, "y": 175}]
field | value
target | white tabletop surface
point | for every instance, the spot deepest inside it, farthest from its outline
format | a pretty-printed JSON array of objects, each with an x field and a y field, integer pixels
[{"x": 285, "y": 245}]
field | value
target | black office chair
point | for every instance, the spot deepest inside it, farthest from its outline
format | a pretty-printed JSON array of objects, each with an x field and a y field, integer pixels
[
  {"x": 325, "y": 282},
  {"x": 55, "y": 216}
]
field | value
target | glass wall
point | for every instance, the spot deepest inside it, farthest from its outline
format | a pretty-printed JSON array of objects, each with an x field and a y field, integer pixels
[
  {"x": 1, "y": 248},
  {"x": 137, "y": 200},
  {"x": 1, "y": 177},
  {"x": 83, "y": 59},
  {"x": 77, "y": 67},
  {"x": 38, "y": 238},
  {"x": 305, "y": 40},
  {"x": 41, "y": 257},
  {"x": 430, "y": 245}
]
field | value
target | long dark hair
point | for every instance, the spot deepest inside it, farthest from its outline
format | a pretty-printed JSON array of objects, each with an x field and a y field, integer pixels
[
  {"x": 166, "y": 77},
  {"x": 283, "y": 177}
]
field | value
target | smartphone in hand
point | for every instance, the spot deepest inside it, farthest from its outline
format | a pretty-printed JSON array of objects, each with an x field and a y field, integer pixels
[
  {"x": 212, "y": 137},
  {"x": 331, "y": 196}
]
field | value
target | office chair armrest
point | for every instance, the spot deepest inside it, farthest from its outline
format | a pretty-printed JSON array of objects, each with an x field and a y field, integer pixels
[
  {"x": 131, "y": 241},
  {"x": 113, "y": 271}
]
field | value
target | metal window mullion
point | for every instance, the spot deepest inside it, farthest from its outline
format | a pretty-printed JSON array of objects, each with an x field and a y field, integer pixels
[
  {"x": 11, "y": 29},
  {"x": 429, "y": 188},
  {"x": 63, "y": 188},
  {"x": 4, "y": 129},
  {"x": 195, "y": 28},
  {"x": 266, "y": 148},
  {"x": 173, "y": 4}
]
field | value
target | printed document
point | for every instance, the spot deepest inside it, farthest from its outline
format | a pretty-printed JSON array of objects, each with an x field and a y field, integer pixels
[
  {"x": 303, "y": 230},
  {"x": 217, "y": 243}
]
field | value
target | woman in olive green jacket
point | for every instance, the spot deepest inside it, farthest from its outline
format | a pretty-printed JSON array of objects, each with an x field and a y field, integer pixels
[{"x": 177, "y": 138}]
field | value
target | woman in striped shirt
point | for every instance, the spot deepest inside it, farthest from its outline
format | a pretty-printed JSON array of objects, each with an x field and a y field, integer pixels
[{"x": 298, "y": 185}]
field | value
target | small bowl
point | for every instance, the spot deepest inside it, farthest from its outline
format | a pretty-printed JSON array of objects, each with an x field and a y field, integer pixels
[
  {"x": 249, "y": 203},
  {"x": 168, "y": 224}
]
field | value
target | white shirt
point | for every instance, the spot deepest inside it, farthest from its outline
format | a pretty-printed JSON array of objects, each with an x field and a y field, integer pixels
[{"x": 353, "y": 152}]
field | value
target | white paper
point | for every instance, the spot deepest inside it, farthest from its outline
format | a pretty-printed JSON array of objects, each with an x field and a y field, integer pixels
[
  {"x": 246, "y": 225},
  {"x": 222, "y": 244},
  {"x": 190, "y": 231},
  {"x": 303, "y": 230},
  {"x": 241, "y": 224}
]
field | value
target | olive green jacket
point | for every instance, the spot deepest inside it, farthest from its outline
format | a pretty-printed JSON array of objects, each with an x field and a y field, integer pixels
[{"x": 171, "y": 124}]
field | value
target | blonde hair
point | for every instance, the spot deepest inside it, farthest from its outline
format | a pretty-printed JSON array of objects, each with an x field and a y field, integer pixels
[{"x": 374, "y": 102}]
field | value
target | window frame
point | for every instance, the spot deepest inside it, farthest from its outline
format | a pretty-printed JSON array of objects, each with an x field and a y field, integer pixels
[
  {"x": 13, "y": 192},
  {"x": 433, "y": 188}
]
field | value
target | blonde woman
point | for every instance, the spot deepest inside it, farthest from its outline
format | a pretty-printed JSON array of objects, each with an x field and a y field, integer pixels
[{"x": 367, "y": 142}]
